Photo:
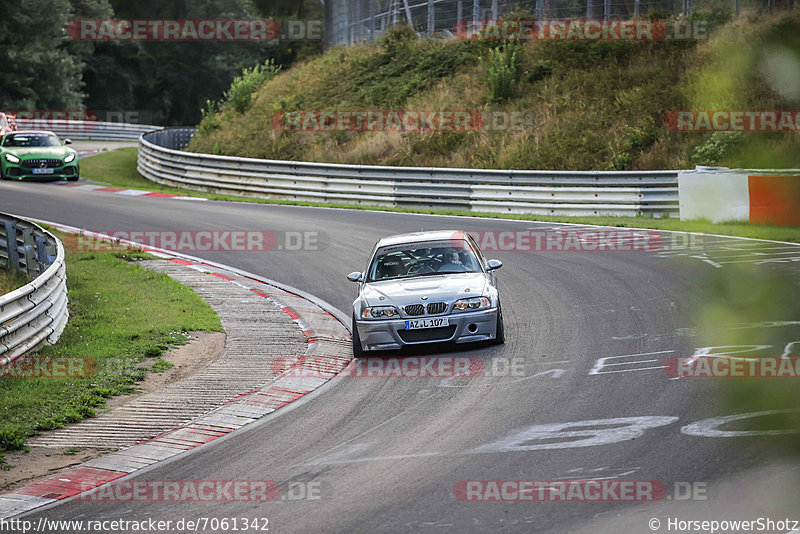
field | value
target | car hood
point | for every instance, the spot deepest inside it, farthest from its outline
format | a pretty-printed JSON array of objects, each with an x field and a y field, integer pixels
[
  {"x": 440, "y": 288},
  {"x": 39, "y": 151}
]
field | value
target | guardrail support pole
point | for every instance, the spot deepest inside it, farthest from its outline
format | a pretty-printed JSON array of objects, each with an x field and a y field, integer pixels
[
  {"x": 29, "y": 249},
  {"x": 372, "y": 20},
  {"x": 431, "y": 19},
  {"x": 41, "y": 254},
  {"x": 13, "y": 251}
]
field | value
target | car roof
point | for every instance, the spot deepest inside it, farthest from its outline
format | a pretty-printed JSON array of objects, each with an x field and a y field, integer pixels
[
  {"x": 33, "y": 132},
  {"x": 416, "y": 237}
]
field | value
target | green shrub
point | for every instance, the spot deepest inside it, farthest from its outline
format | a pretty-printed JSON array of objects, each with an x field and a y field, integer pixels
[
  {"x": 714, "y": 150},
  {"x": 240, "y": 94},
  {"x": 12, "y": 439},
  {"x": 502, "y": 67}
]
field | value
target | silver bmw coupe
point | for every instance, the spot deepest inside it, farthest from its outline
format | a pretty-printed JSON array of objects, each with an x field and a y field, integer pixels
[{"x": 426, "y": 287}]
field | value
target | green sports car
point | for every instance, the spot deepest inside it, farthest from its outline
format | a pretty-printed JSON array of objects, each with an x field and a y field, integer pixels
[{"x": 37, "y": 155}]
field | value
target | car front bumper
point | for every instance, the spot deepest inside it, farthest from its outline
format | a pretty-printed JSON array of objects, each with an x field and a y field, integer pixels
[
  {"x": 14, "y": 171},
  {"x": 463, "y": 327}
]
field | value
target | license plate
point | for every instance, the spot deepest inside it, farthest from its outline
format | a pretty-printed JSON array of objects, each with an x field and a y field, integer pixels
[
  {"x": 43, "y": 171},
  {"x": 416, "y": 324}
]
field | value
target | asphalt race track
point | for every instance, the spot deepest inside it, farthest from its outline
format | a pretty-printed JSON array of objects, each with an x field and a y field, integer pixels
[{"x": 387, "y": 453}]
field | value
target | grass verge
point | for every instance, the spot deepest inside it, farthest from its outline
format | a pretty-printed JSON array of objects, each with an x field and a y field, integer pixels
[
  {"x": 9, "y": 281},
  {"x": 122, "y": 317},
  {"x": 118, "y": 169}
]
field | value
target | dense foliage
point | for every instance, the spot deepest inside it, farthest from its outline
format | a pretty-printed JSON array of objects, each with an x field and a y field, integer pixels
[{"x": 164, "y": 82}]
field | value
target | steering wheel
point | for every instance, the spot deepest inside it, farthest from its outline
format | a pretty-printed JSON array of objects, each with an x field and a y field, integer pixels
[{"x": 419, "y": 268}]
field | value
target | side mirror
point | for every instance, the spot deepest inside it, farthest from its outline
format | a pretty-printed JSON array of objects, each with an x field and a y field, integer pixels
[
  {"x": 355, "y": 277},
  {"x": 493, "y": 265},
  {"x": 67, "y": 141}
]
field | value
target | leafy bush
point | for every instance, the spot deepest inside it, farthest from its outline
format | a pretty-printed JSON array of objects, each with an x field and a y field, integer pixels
[
  {"x": 502, "y": 67},
  {"x": 209, "y": 121},
  {"x": 397, "y": 40},
  {"x": 714, "y": 150},
  {"x": 240, "y": 94},
  {"x": 12, "y": 439}
]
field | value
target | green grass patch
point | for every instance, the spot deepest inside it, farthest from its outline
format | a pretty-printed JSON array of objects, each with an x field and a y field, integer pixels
[
  {"x": 120, "y": 314},
  {"x": 11, "y": 280}
]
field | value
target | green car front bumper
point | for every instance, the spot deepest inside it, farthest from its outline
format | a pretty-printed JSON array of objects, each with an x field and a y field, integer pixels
[{"x": 41, "y": 169}]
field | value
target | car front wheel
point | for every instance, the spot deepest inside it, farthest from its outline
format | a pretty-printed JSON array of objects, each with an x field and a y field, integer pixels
[
  {"x": 358, "y": 351},
  {"x": 500, "y": 334}
]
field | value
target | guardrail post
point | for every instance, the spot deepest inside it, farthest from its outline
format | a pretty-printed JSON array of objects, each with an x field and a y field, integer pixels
[
  {"x": 41, "y": 254},
  {"x": 431, "y": 20},
  {"x": 13, "y": 251},
  {"x": 372, "y": 20},
  {"x": 29, "y": 250}
]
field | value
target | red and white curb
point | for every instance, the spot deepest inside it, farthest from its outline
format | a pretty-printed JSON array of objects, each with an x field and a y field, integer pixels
[
  {"x": 328, "y": 352},
  {"x": 93, "y": 188}
]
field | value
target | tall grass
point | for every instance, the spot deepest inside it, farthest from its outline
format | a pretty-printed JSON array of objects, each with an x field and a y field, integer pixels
[{"x": 588, "y": 105}]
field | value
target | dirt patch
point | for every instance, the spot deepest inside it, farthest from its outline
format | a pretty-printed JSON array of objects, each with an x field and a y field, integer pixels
[{"x": 202, "y": 349}]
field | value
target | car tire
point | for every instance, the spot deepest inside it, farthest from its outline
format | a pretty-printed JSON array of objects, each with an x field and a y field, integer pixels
[
  {"x": 73, "y": 178},
  {"x": 500, "y": 333},
  {"x": 358, "y": 350}
]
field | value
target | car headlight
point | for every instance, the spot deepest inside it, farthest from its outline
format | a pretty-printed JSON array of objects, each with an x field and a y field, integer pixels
[
  {"x": 69, "y": 158},
  {"x": 474, "y": 303},
  {"x": 11, "y": 158},
  {"x": 378, "y": 312}
]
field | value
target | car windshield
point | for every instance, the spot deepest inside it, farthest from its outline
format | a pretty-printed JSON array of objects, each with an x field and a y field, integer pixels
[
  {"x": 423, "y": 259},
  {"x": 29, "y": 140}
]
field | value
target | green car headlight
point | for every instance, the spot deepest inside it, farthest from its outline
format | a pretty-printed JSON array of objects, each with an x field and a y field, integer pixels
[
  {"x": 11, "y": 158},
  {"x": 69, "y": 158}
]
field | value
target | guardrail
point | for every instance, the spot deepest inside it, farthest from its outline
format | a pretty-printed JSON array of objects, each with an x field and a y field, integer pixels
[
  {"x": 108, "y": 131},
  {"x": 37, "y": 312},
  {"x": 576, "y": 193}
]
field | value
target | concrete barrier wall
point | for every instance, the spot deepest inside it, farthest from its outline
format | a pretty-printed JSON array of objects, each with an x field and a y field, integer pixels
[{"x": 749, "y": 195}]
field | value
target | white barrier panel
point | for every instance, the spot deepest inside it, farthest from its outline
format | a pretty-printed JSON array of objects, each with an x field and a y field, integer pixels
[{"x": 719, "y": 195}]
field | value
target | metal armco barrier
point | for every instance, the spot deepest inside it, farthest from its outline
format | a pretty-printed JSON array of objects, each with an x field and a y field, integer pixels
[
  {"x": 37, "y": 312},
  {"x": 107, "y": 131},
  {"x": 577, "y": 193}
]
